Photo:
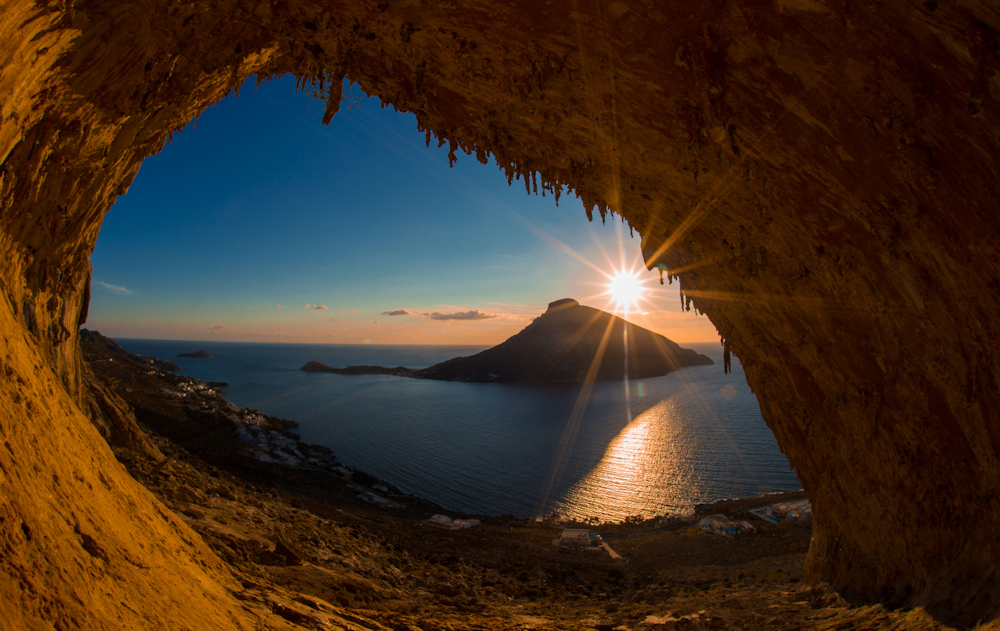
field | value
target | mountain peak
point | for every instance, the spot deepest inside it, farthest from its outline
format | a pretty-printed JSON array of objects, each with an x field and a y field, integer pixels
[
  {"x": 571, "y": 342},
  {"x": 562, "y": 303}
]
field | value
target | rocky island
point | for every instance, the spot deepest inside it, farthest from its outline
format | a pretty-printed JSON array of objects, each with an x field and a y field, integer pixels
[
  {"x": 197, "y": 355},
  {"x": 560, "y": 346}
]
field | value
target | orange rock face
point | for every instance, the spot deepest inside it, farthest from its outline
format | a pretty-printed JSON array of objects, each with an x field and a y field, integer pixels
[{"x": 820, "y": 175}]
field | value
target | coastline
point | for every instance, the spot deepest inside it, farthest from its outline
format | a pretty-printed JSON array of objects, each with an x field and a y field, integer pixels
[
  {"x": 302, "y": 544},
  {"x": 489, "y": 448},
  {"x": 270, "y": 440},
  {"x": 267, "y": 441}
]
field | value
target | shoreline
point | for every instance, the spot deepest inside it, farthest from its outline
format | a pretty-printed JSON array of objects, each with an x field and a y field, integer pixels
[
  {"x": 270, "y": 440},
  {"x": 299, "y": 542}
]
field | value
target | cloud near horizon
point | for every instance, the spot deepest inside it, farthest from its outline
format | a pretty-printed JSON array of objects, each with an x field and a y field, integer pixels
[
  {"x": 318, "y": 307},
  {"x": 475, "y": 314},
  {"x": 280, "y": 306},
  {"x": 398, "y": 312},
  {"x": 118, "y": 289},
  {"x": 216, "y": 328}
]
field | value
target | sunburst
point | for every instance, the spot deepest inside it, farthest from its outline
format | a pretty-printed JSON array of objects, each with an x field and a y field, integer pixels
[{"x": 626, "y": 289}]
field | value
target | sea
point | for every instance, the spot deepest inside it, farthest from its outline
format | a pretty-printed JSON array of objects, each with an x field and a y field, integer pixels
[{"x": 610, "y": 451}]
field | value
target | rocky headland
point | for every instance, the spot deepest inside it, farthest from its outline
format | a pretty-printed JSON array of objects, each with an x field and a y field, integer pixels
[{"x": 568, "y": 343}]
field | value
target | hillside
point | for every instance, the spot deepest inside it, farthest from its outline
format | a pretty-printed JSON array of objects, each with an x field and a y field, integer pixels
[{"x": 563, "y": 343}]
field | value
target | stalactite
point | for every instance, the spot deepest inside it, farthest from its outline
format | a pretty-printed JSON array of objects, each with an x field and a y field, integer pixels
[
  {"x": 335, "y": 95},
  {"x": 726, "y": 359}
]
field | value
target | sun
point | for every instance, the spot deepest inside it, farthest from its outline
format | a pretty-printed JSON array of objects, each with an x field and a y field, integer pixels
[{"x": 626, "y": 289}]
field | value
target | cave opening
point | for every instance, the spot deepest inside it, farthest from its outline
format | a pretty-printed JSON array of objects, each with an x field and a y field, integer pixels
[
  {"x": 227, "y": 238},
  {"x": 862, "y": 211}
]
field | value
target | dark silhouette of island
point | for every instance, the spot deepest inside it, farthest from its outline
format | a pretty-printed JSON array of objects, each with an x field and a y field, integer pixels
[
  {"x": 399, "y": 371},
  {"x": 197, "y": 355},
  {"x": 567, "y": 343}
]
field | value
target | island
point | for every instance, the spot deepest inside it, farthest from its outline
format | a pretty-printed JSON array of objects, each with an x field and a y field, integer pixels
[
  {"x": 569, "y": 343},
  {"x": 399, "y": 371},
  {"x": 197, "y": 355}
]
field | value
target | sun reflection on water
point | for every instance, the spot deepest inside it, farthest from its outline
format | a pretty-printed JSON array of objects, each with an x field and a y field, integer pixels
[{"x": 645, "y": 465}]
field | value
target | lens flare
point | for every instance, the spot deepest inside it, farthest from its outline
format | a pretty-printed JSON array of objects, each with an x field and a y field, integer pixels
[{"x": 625, "y": 289}]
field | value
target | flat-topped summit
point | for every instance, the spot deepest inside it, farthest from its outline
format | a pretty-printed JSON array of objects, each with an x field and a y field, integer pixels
[
  {"x": 562, "y": 303},
  {"x": 568, "y": 343}
]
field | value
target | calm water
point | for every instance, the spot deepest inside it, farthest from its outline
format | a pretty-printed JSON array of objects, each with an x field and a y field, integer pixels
[{"x": 659, "y": 446}]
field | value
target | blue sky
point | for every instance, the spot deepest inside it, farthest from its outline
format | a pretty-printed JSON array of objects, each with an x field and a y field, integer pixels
[{"x": 258, "y": 204}]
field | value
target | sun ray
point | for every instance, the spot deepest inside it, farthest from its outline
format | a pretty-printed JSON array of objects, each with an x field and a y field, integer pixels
[
  {"x": 715, "y": 192},
  {"x": 575, "y": 418}
]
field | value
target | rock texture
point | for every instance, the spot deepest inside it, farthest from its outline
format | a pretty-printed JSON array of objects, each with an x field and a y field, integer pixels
[{"x": 820, "y": 175}]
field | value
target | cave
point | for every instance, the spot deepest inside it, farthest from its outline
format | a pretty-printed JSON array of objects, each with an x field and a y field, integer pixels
[{"x": 819, "y": 176}]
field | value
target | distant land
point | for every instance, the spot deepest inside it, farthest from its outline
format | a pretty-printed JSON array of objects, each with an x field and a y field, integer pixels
[
  {"x": 111, "y": 347},
  {"x": 197, "y": 355},
  {"x": 559, "y": 346}
]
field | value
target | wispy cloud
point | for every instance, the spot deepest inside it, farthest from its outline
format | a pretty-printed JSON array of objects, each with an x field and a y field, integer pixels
[
  {"x": 274, "y": 333},
  {"x": 398, "y": 312},
  {"x": 118, "y": 289},
  {"x": 335, "y": 320},
  {"x": 475, "y": 314},
  {"x": 280, "y": 306},
  {"x": 318, "y": 307},
  {"x": 216, "y": 328}
]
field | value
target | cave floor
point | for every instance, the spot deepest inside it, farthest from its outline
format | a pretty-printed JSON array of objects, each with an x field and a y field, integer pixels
[{"x": 305, "y": 547}]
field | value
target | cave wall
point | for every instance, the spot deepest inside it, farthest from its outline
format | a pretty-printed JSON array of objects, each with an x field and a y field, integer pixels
[{"x": 819, "y": 175}]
